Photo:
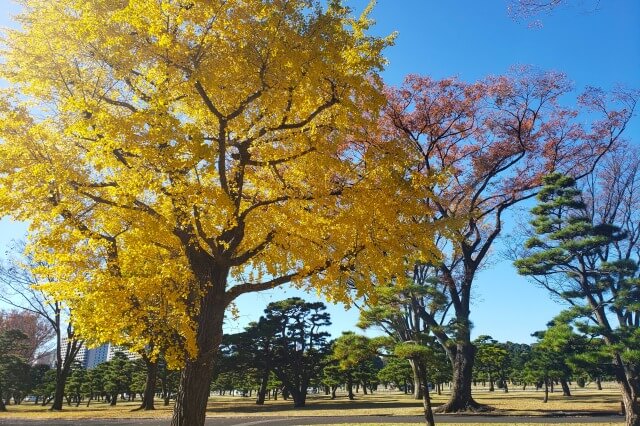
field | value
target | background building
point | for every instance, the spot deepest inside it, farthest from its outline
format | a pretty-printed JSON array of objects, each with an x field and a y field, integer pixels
[{"x": 91, "y": 357}]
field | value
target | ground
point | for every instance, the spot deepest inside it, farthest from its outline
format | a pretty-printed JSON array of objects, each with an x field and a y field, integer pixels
[{"x": 588, "y": 403}]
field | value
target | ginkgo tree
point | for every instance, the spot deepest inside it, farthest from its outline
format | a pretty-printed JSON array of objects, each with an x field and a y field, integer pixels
[{"x": 205, "y": 149}]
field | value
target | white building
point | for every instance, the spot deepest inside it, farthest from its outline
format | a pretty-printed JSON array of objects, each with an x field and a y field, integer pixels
[{"x": 91, "y": 357}]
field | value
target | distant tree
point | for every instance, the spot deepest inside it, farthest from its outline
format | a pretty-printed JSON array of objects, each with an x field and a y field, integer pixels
[
  {"x": 37, "y": 379},
  {"x": 540, "y": 368},
  {"x": 350, "y": 351},
  {"x": 395, "y": 310},
  {"x": 117, "y": 376},
  {"x": 397, "y": 372},
  {"x": 519, "y": 354},
  {"x": 12, "y": 343},
  {"x": 38, "y": 331},
  {"x": 75, "y": 383},
  {"x": 21, "y": 286},
  {"x": 493, "y": 360},
  {"x": 582, "y": 256},
  {"x": 593, "y": 363},
  {"x": 562, "y": 345},
  {"x": 93, "y": 386},
  {"x": 299, "y": 345}
]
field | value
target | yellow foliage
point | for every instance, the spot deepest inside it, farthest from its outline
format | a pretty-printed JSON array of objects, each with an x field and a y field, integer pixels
[{"x": 164, "y": 152}]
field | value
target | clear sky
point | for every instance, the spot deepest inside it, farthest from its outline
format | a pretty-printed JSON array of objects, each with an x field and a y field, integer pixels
[{"x": 596, "y": 43}]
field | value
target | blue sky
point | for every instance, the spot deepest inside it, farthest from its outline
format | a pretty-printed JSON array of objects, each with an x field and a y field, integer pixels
[{"x": 596, "y": 43}]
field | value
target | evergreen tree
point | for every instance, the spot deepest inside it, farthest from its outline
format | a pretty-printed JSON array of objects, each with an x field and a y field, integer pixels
[{"x": 593, "y": 264}]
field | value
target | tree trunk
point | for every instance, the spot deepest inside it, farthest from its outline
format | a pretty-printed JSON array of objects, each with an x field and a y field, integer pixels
[
  {"x": 61, "y": 379},
  {"x": 195, "y": 381},
  {"x": 546, "y": 391},
  {"x": 63, "y": 366},
  {"x": 462, "y": 358},
  {"x": 114, "y": 399},
  {"x": 565, "y": 387},
  {"x": 417, "y": 390},
  {"x": 299, "y": 397},
  {"x": 350, "y": 389},
  {"x": 3, "y": 407},
  {"x": 333, "y": 392},
  {"x": 598, "y": 383},
  {"x": 150, "y": 385},
  {"x": 426, "y": 398},
  {"x": 628, "y": 391},
  {"x": 491, "y": 388},
  {"x": 262, "y": 392}
]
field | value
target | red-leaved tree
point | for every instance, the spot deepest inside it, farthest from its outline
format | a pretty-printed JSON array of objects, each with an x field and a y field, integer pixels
[{"x": 495, "y": 139}]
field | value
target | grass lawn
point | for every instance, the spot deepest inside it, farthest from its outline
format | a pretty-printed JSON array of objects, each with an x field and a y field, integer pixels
[{"x": 587, "y": 401}]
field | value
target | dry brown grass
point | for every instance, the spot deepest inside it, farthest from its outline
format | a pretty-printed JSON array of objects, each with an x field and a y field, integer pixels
[{"x": 585, "y": 401}]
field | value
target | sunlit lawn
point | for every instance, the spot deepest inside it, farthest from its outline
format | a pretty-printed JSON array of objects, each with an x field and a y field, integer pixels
[{"x": 588, "y": 401}]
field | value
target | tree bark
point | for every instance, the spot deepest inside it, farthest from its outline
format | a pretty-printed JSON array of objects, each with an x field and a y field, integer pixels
[
  {"x": 150, "y": 385},
  {"x": 426, "y": 398},
  {"x": 417, "y": 390},
  {"x": 262, "y": 392},
  {"x": 598, "y": 383},
  {"x": 299, "y": 397},
  {"x": 546, "y": 391},
  {"x": 565, "y": 387},
  {"x": 350, "y": 389},
  {"x": 195, "y": 381},
  {"x": 462, "y": 358}
]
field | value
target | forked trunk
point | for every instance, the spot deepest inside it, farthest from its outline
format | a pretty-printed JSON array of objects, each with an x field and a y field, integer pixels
[{"x": 299, "y": 397}]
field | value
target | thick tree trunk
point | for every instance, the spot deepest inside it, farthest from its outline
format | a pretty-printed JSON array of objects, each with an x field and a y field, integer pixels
[
  {"x": 195, "y": 381},
  {"x": 299, "y": 397},
  {"x": 61, "y": 379},
  {"x": 461, "y": 400},
  {"x": 628, "y": 391},
  {"x": 150, "y": 386},
  {"x": 631, "y": 407},
  {"x": 565, "y": 387}
]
